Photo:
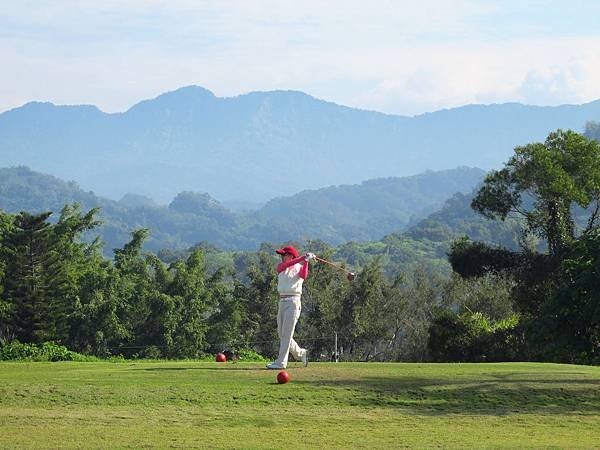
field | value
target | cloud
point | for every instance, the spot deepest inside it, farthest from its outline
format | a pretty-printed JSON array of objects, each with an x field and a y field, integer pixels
[
  {"x": 397, "y": 57},
  {"x": 549, "y": 85},
  {"x": 527, "y": 71},
  {"x": 573, "y": 81}
]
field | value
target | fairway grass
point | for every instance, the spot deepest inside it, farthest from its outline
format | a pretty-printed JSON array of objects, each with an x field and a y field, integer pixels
[{"x": 326, "y": 405}]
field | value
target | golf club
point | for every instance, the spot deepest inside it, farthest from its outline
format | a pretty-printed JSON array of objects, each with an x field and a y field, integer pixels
[{"x": 349, "y": 275}]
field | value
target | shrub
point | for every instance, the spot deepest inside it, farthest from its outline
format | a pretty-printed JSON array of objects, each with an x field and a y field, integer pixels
[
  {"x": 447, "y": 337},
  {"x": 48, "y": 351},
  {"x": 15, "y": 350},
  {"x": 473, "y": 338},
  {"x": 250, "y": 355},
  {"x": 151, "y": 352}
]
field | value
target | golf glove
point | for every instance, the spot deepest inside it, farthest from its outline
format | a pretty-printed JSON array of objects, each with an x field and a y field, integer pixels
[{"x": 310, "y": 256}]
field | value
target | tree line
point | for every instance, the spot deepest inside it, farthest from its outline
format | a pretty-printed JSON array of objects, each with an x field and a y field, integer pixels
[
  {"x": 56, "y": 287},
  {"x": 535, "y": 302}
]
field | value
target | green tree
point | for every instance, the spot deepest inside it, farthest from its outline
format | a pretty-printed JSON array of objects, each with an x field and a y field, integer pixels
[
  {"x": 473, "y": 337},
  {"x": 29, "y": 249},
  {"x": 193, "y": 293},
  {"x": 489, "y": 294},
  {"x": 133, "y": 285},
  {"x": 541, "y": 183},
  {"x": 417, "y": 296},
  {"x": 99, "y": 320},
  {"x": 260, "y": 299},
  {"x": 43, "y": 262},
  {"x": 73, "y": 254},
  {"x": 6, "y": 307},
  {"x": 113, "y": 301},
  {"x": 363, "y": 319},
  {"x": 570, "y": 325},
  {"x": 545, "y": 185},
  {"x": 226, "y": 327},
  {"x": 157, "y": 329},
  {"x": 322, "y": 303},
  {"x": 139, "y": 306},
  {"x": 472, "y": 259}
]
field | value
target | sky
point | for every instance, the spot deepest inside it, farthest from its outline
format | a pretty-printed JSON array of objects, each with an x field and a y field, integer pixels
[{"x": 397, "y": 57}]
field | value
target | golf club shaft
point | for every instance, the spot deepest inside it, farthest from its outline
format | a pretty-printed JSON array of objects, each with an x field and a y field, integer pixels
[{"x": 331, "y": 264}]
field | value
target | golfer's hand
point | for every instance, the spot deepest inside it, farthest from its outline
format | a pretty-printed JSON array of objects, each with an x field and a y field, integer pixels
[{"x": 310, "y": 256}]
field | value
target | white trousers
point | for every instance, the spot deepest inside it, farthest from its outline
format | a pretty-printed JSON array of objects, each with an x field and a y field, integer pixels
[{"x": 287, "y": 317}]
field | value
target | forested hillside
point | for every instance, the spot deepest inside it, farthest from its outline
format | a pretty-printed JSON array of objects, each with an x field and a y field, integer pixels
[
  {"x": 335, "y": 215},
  {"x": 367, "y": 211},
  {"x": 456, "y": 218}
]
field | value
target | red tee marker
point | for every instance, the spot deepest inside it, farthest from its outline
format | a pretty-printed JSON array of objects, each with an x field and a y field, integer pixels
[{"x": 283, "y": 377}]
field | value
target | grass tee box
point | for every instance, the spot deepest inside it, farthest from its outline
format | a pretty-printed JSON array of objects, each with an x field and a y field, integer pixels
[{"x": 346, "y": 405}]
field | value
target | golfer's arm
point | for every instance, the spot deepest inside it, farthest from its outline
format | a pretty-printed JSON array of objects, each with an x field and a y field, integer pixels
[
  {"x": 303, "y": 272},
  {"x": 284, "y": 265}
]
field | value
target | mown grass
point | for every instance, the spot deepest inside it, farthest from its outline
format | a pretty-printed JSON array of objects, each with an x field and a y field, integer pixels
[{"x": 345, "y": 405}]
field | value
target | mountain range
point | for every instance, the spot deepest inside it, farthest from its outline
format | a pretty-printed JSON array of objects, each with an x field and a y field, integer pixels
[
  {"x": 254, "y": 147},
  {"x": 336, "y": 214}
]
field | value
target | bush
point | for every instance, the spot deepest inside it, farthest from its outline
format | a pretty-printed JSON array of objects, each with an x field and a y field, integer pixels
[
  {"x": 48, "y": 351},
  {"x": 151, "y": 352},
  {"x": 14, "y": 350},
  {"x": 508, "y": 341},
  {"x": 473, "y": 338},
  {"x": 450, "y": 338},
  {"x": 250, "y": 355}
]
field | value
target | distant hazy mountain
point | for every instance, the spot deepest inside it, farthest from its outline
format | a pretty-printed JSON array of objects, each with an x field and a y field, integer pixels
[
  {"x": 134, "y": 200},
  {"x": 336, "y": 214},
  {"x": 456, "y": 218},
  {"x": 363, "y": 211},
  {"x": 261, "y": 145}
]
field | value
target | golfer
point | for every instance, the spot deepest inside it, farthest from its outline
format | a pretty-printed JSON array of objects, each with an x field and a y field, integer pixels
[{"x": 292, "y": 271}]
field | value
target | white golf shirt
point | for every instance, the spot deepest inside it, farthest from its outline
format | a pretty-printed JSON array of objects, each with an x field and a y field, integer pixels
[{"x": 291, "y": 276}]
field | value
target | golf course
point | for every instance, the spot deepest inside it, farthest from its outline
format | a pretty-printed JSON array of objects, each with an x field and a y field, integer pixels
[{"x": 190, "y": 404}]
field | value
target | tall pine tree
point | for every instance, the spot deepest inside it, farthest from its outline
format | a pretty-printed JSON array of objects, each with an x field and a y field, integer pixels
[
  {"x": 43, "y": 262},
  {"x": 31, "y": 258},
  {"x": 6, "y": 307}
]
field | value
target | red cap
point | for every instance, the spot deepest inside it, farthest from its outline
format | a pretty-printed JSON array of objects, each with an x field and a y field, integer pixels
[{"x": 288, "y": 249}]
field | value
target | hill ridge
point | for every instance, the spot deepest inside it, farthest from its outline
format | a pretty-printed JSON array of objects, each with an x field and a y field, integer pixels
[
  {"x": 255, "y": 146},
  {"x": 360, "y": 212}
]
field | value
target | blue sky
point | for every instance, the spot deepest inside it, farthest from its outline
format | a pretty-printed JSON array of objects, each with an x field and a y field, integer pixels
[{"x": 399, "y": 57}]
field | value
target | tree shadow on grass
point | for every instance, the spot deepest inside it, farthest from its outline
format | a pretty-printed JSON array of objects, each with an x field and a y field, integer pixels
[{"x": 492, "y": 395}]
